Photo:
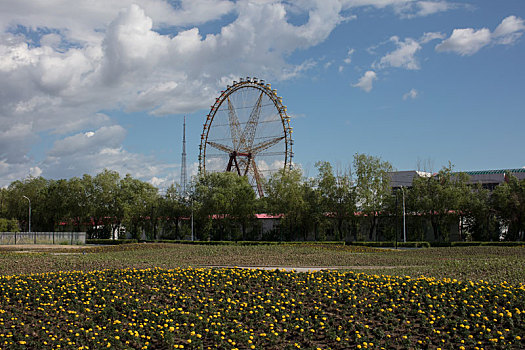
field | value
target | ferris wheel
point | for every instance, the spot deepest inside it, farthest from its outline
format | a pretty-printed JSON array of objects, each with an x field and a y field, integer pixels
[{"x": 247, "y": 132}]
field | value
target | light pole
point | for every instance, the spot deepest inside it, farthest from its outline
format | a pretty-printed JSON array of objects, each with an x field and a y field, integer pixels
[
  {"x": 30, "y": 217},
  {"x": 189, "y": 197},
  {"x": 404, "y": 220},
  {"x": 192, "y": 234},
  {"x": 191, "y": 203}
]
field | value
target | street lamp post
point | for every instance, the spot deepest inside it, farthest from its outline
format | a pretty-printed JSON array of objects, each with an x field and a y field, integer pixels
[
  {"x": 29, "y": 229},
  {"x": 192, "y": 233},
  {"x": 404, "y": 219},
  {"x": 396, "y": 219},
  {"x": 189, "y": 197}
]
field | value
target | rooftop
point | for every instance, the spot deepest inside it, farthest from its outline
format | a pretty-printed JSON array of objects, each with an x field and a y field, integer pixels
[{"x": 498, "y": 171}]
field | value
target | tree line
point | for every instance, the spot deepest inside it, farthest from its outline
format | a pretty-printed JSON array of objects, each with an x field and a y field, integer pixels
[{"x": 357, "y": 204}]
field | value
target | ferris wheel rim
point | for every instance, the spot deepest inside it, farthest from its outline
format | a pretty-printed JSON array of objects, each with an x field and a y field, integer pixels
[{"x": 277, "y": 103}]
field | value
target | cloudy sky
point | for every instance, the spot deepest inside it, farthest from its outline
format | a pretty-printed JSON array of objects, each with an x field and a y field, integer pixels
[{"x": 88, "y": 85}]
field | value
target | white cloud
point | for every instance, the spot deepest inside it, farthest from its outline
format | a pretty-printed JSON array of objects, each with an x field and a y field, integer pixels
[
  {"x": 13, "y": 141},
  {"x": 81, "y": 58},
  {"x": 89, "y": 142},
  {"x": 429, "y": 36},
  {"x": 99, "y": 55},
  {"x": 509, "y": 30},
  {"x": 403, "y": 56},
  {"x": 425, "y": 8},
  {"x": 52, "y": 40},
  {"x": 365, "y": 82},
  {"x": 407, "y": 8},
  {"x": 412, "y": 94},
  {"x": 465, "y": 41},
  {"x": 468, "y": 41},
  {"x": 35, "y": 171},
  {"x": 94, "y": 151},
  {"x": 348, "y": 58},
  {"x": 84, "y": 21}
]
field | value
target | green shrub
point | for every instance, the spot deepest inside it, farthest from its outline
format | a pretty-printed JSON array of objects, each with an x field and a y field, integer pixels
[
  {"x": 253, "y": 243},
  {"x": 110, "y": 241},
  {"x": 317, "y": 242},
  {"x": 391, "y": 244},
  {"x": 9, "y": 225},
  {"x": 477, "y": 244},
  {"x": 465, "y": 244},
  {"x": 440, "y": 244},
  {"x": 504, "y": 244}
]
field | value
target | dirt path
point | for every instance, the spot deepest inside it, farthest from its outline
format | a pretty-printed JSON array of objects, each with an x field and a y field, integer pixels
[{"x": 306, "y": 269}]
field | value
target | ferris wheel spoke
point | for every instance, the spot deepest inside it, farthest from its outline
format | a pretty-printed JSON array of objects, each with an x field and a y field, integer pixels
[
  {"x": 248, "y": 134},
  {"x": 220, "y": 146},
  {"x": 257, "y": 178},
  {"x": 265, "y": 145},
  {"x": 235, "y": 128},
  {"x": 244, "y": 165}
]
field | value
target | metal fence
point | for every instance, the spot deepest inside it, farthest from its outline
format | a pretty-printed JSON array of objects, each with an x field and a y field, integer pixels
[{"x": 42, "y": 238}]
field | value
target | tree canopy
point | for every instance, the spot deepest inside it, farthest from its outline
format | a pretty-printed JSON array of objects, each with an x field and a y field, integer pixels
[{"x": 341, "y": 205}]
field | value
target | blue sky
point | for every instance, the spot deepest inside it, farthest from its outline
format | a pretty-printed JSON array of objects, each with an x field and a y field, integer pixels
[{"x": 418, "y": 83}]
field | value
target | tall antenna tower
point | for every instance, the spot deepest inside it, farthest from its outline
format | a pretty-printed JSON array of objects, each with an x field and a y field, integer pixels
[{"x": 183, "y": 164}]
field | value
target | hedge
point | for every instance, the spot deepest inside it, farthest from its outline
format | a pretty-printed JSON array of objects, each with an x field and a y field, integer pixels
[
  {"x": 110, "y": 241},
  {"x": 392, "y": 244},
  {"x": 247, "y": 242},
  {"x": 504, "y": 244},
  {"x": 385, "y": 244},
  {"x": 477, "y": 244}
]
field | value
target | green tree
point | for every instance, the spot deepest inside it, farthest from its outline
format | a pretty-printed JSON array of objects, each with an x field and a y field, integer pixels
[
  {"x": 138, "y": 206},
  {"x": 9, "y": 225},
  {"x": 3, "y": 202},
  {"x": 34, "y": 188},
  {"x": 285, "y": 196},
  {"x": 441, "y": 199},
  {"x": 173, "y": 208},
  {"x": 56, "y": 208},
  {"x": 103, "y": 192},
  {"x": 372, "y": 188},
  {"x": 508, "y": 201},
  {"x": 337, "y": 196},
  {"x": 225, "y": 202},
  {"x": 78, "y": 201},
  {"x": 314, "y": 217},
  {"x": 480, "y": 221}
]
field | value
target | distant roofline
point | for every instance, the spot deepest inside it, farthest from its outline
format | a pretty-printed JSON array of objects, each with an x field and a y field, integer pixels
[
  {"x": 469, "y": 172},
  {"x": 495, "y": 171}
]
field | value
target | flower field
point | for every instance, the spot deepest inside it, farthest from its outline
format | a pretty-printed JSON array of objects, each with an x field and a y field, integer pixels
[
  {"x": 158, "y": 308},
  {"x": 493, "y": 264}
]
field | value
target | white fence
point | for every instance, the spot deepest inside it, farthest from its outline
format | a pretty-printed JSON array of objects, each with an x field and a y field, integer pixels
[{"x": 42, "y": 238}]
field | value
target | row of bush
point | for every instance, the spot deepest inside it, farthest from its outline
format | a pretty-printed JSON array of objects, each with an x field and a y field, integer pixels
[
  {"x": 385, "y": 244},
  {"x": 478, "y": 243},
  {"x": 110, "y": 241},
  {"x": 123, "y": 241},
  {"x": 423, "y": 244},
  {"x": 390, "y": 244}
]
